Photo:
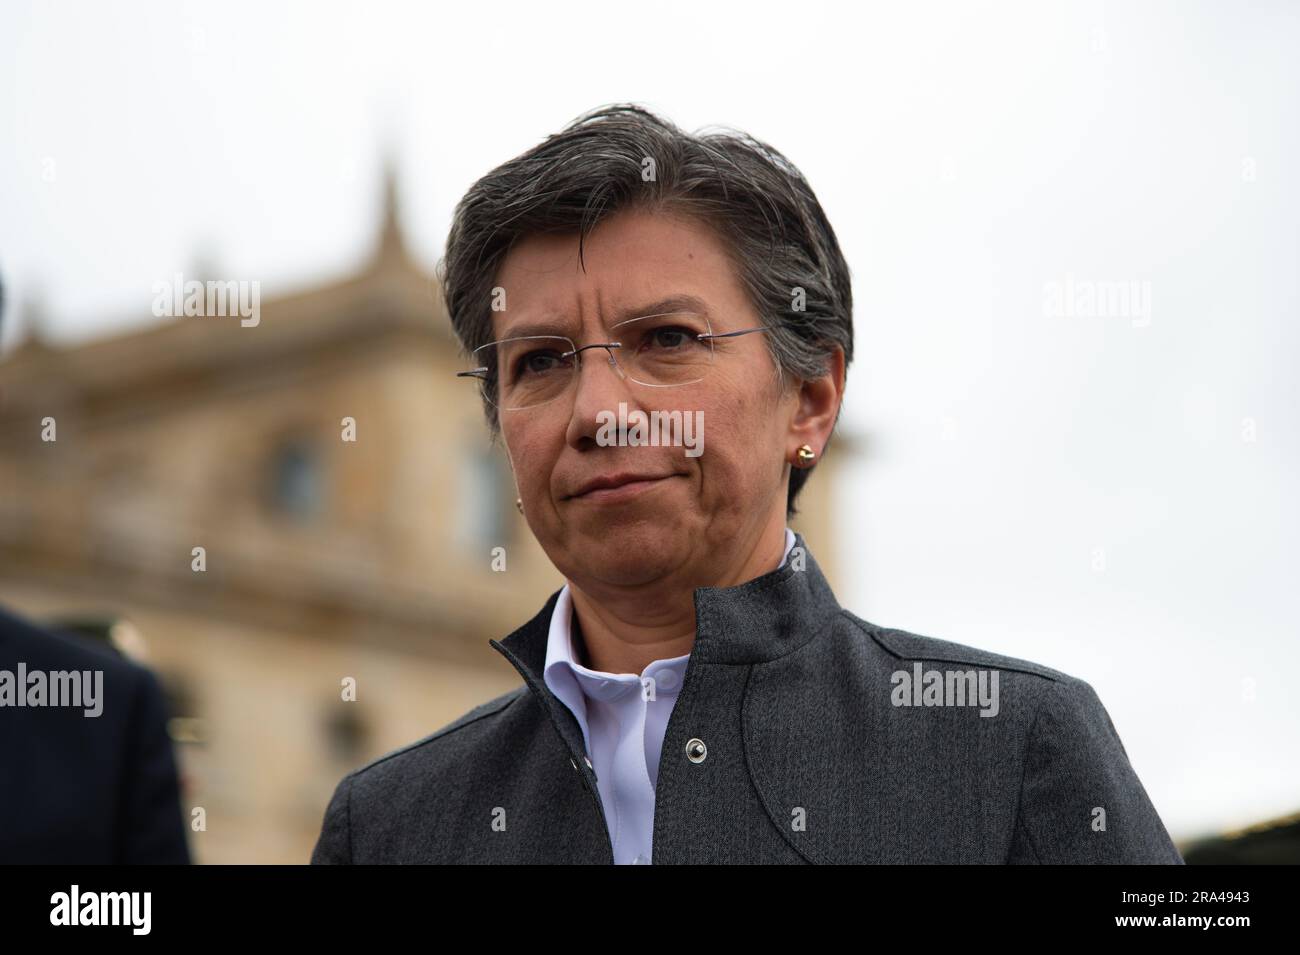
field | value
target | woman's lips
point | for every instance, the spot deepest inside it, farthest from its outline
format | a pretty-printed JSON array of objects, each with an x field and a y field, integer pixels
[{"x": 624, "y": 492}]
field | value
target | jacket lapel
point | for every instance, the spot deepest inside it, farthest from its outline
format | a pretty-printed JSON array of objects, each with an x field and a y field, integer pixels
[{"x": 526, "y": 651}]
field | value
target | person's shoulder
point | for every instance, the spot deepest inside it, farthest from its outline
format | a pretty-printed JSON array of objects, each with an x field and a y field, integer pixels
[
  {"x": 1039, "y": 699},
  {"x": 1054, "y": 736},
  {"x": 126, "y": 681},
  {"x": 917, "y": 648},
  {"x": 52, "y": 649},
  {"x": 464, "y": 734},
  {"x": 1029, "y": 687},
  {"x": 386, "y": 794}
]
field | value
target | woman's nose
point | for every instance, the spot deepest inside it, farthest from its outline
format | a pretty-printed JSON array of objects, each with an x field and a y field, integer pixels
[{"x": 599, "y": 385}]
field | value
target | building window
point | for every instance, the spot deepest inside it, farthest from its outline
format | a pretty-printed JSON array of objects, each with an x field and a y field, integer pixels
[
  {"x": 296, "y": 480},
  {"x": 347, "y": 734},
  {"x": 486, "y": 498}
]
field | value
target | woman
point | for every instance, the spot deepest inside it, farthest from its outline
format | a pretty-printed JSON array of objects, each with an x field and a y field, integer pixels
[{"x": 695, "y": 693}]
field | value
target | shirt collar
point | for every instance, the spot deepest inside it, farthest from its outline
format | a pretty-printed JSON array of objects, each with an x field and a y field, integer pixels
[{"x": 752, "y": 622}]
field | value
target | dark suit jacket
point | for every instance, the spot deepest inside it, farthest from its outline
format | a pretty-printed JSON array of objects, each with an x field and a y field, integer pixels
[
  {"x": 86, "y": 790},
  {"x": 808, "y": 756}
]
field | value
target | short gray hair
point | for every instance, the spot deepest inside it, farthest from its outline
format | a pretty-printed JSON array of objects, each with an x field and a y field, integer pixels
[{"x": 757, "y": 202}]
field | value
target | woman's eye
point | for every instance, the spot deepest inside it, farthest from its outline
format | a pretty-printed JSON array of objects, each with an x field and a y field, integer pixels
[
  {"x": 538, "y": 362},
  {"x": 671, "y": 337}
]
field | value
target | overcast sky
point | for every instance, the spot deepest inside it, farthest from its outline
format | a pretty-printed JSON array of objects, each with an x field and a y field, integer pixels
[{"x": 1111, "y": 495}]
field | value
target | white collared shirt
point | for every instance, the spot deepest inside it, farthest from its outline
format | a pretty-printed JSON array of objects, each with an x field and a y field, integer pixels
[{"x": 623, "y": 718}]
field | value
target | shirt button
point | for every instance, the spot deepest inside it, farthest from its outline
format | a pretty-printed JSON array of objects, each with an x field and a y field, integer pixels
[
  {"x": 666, "y": 679},
  {"x": 696, "y": 750},
  {"x": 641, "y": 860}
]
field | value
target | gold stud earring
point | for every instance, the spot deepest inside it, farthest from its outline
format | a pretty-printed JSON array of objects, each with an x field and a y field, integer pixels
[
  {"x": 519, "y": 504},
  {"x": 806, "y": 455}
]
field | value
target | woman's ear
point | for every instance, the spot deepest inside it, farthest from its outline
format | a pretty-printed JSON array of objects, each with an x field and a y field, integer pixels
[{"x": 819, "y": 406}]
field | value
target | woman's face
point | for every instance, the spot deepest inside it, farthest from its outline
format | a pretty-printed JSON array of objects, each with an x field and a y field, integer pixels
[{"x": 687, "y": 510}]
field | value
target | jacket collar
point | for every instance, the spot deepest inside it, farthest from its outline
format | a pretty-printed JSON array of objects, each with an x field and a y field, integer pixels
[{"x": 754, "y": 622}]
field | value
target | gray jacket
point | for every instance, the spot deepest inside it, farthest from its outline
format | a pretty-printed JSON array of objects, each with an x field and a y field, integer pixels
[{"x": 802, "y": 733}]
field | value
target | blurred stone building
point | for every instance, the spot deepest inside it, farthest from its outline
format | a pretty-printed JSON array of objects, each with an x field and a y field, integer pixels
[{"x": 324, "y": 558}]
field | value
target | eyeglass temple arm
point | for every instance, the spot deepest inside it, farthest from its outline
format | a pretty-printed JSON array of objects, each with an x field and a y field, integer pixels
[
  {"x": 472, "y": 373},
  {"x": 743, "y": 331}
]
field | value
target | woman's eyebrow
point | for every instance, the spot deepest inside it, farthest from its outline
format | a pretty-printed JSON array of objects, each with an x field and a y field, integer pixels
[
  {"x": 538, "y": 327},
  {"x": 557, "y": 326},
  {"x": 673, "y": 303}
]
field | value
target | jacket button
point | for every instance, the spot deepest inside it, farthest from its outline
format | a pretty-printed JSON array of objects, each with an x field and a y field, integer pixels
[{"x": 696, "y": 750}]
